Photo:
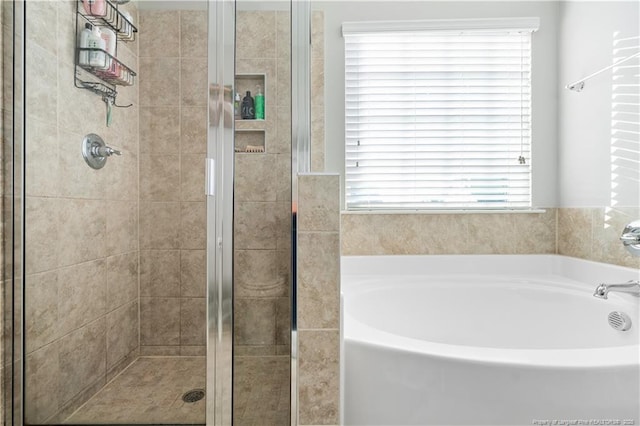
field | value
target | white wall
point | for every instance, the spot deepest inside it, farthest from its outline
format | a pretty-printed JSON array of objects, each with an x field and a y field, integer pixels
[
  {"x": 544, "y": 71},
  {"x": 588, "y": 31}
]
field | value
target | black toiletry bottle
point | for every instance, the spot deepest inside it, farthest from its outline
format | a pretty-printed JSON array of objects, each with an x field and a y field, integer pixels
[{"x": 248, "y": 110}]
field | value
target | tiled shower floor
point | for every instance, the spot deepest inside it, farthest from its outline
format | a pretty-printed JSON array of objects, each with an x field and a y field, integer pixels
[
  {"x": 261, "y": 391},
  {"x": 149, "y": 391}
]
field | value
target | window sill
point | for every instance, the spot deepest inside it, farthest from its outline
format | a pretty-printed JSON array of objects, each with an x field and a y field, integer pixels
[{"x": 470, "y": 211}]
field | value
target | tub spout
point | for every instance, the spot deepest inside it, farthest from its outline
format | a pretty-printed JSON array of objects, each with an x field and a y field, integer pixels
[{"x": 631, "y": 287}]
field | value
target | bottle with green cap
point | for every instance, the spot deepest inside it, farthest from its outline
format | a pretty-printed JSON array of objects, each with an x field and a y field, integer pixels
[{"x": 259, "y": 104}]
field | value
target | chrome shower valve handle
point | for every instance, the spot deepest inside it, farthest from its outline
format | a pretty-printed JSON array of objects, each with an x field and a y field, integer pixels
[
  {"x": 104, "y": 151},
  {"x": 96, "y": 152},
  {"x": 631, "y": 237}
]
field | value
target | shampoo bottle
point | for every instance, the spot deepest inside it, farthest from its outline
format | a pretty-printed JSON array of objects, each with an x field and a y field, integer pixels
[
  {"x": 248, "y": 108},
  {"x": 236, "y": 106},
  {"x": 259, "y": 104},
  {"x": 97, "y": 59},
  {"x": 85, "y": 34},
  {"x": 109, "y": 38}
]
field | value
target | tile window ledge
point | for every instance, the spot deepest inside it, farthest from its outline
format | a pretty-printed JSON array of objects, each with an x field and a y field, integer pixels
[{"x": 470, "y": 211}]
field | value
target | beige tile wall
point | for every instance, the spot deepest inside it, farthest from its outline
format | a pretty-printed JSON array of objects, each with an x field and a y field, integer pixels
[
  {"x": 319, "y": 299},
  {"x": 380, "y": 234},
  {"x": 173, "y": 135},
  {"x": 81, "y": 260},
  {"x": 3, "y": 260},
  {"x": 317, "y": 91},
  {"x": 587, "y": 233},
  {"x": 263, "y": 192},
  {"x": 262, "y": 226},
  {"x": 593, "y": 234}
]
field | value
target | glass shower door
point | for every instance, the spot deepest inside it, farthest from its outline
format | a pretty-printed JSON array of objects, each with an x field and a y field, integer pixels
[
  {"x": 115, "y": 288},
  {"x": 262, "y": 214},
  {"x": 157, "y": 289}
]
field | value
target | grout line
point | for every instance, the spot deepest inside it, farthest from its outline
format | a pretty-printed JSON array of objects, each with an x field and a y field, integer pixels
[
  {"x": 181, "y": 177},
  {"x": 139, "y": 201}
]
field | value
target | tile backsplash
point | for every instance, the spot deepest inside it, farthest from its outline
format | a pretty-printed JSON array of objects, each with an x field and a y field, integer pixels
[
  {"x": 485, "y": 233},
  {"x": 587, "y": 233},
  {"x": 593, "y": 234}
]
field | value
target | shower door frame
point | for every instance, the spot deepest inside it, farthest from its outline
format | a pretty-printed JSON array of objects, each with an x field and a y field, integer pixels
[
  {"x": 300, "y": 162},
  {"x": 219, "y": 192},
  {"x": 14, "y": 149},
  {"x": 220, "y": 203}
]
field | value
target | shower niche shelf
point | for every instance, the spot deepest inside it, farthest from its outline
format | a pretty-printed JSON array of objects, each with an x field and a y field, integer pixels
[
  {"x": 249, "y": 82},
  {"x": 250, "y": 141},
  {"x": 95, "y": 69},
  {"x": 250, "y": 134}
]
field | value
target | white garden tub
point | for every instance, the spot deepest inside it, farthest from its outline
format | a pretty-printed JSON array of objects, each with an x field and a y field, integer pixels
[{"x": 492, "y": 340}]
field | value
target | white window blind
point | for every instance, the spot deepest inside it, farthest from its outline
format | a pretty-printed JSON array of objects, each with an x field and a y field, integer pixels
[{"x": 438, "y": 116}]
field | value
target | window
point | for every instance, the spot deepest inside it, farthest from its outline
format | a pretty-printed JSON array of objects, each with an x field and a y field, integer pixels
[{"x": 438, "y": 114}]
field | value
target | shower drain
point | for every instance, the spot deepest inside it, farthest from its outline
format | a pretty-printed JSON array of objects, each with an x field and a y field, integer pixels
[{"x": 193, "y": 395}]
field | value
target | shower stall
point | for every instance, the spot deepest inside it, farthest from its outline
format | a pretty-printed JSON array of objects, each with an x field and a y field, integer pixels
[{"x": 153, "y": 280}]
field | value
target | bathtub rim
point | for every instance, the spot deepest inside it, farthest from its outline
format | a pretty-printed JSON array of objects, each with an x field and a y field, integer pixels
[
  {"x": 563, "y": 266},
  {"x": 616, "y": 356}
]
